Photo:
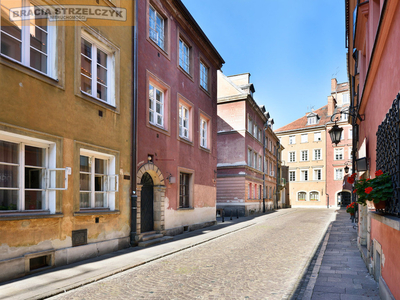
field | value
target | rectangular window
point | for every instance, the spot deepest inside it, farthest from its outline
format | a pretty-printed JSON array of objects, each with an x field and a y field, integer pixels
[
  {"x": 302, "y": 196},
  {"x": 304, "y": 175},
  {"x": 249, "y": 156},
  {"x": 346, "y": 99},
  {"x": 350, "y": 134},
  {"x": 271, "y": 172},
  {"x": 266, "y": 166},
  {"x": 255, "y": 191},
  {"x": 338, "y": 174},
  {"x": 317, "y": 136},
  {"x": 31, "y": 42},
  {"x": 250, "y": 125},
  {"x": 259, "y": 192},
  {"x": 183, "y": 121},
  {"x": 203, "y": 76},
  {"x": 156, "y": 27},
  {"x": 292, "y": 139},
  {"x": 350, "y": 153},
  {"x": 317, "y": 174},
  {"x": 304, "y": 138},
  {"x": 304, "y": 155},
  {"x": 249, "y": 192},
  {"x": 317, "y": 154},
  {"x": 156, "y": 106},
  {"x": 184, "y": 56},
  {"x": 312, "y": 120},
  {"x": 292, "y": 156},
  {"x": 184, "y": 192},
  {"x": 28, "y": 177},
  {"x": 260, "y": 163},
  {"x": 255, "y": 130},
  {"x": 344, "y": 116},
  {"x": 292, "y": 175},
  {"x": 203, "y": 133},
  {"x": 255, "y": 161},
  {"x": 314, "y": 196},
  {"x": 96, "y": 75},
  {"x": 98, "y": 183},
  {"x": 338, "y": 154}
]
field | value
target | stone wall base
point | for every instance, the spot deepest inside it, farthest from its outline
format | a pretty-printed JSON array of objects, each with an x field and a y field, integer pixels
[
  {"x": 20, "y": 266},
  {"x": 182, "y": 229}
]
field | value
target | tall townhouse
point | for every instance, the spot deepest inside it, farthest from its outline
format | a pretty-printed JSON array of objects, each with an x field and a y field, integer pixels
[
  {"x": 304, "y": 141},
  {"x": 339, "y": 156},
  {"x": 65, "y": 140},
  {"x": 373, "y": 40},
  {"x": 177, "y": 120},
  {"x": 247, "y": 149}
]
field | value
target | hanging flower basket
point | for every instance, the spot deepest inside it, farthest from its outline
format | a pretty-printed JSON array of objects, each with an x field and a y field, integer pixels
[{"x": 380, "y": 205}]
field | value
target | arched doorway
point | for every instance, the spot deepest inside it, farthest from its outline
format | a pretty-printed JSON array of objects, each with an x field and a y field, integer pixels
[
  {"x": 147, "y": 204},
  {"x": 343, "y": 198}
]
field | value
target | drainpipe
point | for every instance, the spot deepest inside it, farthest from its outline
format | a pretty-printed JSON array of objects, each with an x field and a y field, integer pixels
[
  {"x": 328, "y": 201},
  {"x": 134, "y": 122}
]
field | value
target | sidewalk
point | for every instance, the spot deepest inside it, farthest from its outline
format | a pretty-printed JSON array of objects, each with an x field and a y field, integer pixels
[
  {"x": 337, "y": 270},
  {"x": 57, "y": 280}
]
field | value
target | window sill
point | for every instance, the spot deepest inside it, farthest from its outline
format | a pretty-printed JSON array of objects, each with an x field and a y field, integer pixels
[
  {"x": 158, "y": 129},
  {"x": 96, "y": 212},
  {"x": 205, "y": 149},
  {"x": 96, "y": 101},
  {"x": 28, "y": 215},
  {"x": 161, "y": 50},
  {"x": 205, "y": 91},
  {"x": 186, "y": 208},
  {"x": 184, "y": 140},
  {"x": 188, "y": 75},
  {"x": 16, "y": 65}
]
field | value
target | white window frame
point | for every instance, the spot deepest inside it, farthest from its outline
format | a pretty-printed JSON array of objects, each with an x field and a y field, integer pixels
[
  {"x": 304, "y": 155},
  {"x": 98, "y": 45},
  {"x": 152, "y": 107},
  {"x": 317, "y": 136},
  {"x": 319, "y": 156},
  {"x": 292, "y": 178},
  {"x": 312, "y": 120},
  {"x": 184, "y": 56},
  {"x": 184, "y": 131},
  {"x": 49, "y": 182},
  {"x": 260, "y": 163},
  {"x": 249, "y": 157},
  {"x": 350, "y": 134},
  {"x": 203, "y": 133},
  {"x": 157, "y": 30},
  {"x": 309, "y": 196},
  {"x": 346, "y": 98},
  {"x": 304, "y": 175},
  {"x": 350, "y": 150},
  {"x": 255, "y": 160},
  {"x": 297, "y": 195},
  {"x": 337, "y": 172},
  {"x": 292, "y": 154},
  {"x": 111, "y": 180},
  {"x": 292, "y": 139},
  {"x": 52, "y": 55},
  {"x": 204, "y": 76},
  {"x": 338, "y": 154},
  {"x": 304, "y": 138},
  {"x": 315, "y": 174}
]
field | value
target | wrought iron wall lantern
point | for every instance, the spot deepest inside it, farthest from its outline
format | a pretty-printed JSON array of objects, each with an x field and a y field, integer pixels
[
  {"x": 346, "y": 168},
  {"x": 336, "y": 131},
  {"x": 170, "y": 178}
]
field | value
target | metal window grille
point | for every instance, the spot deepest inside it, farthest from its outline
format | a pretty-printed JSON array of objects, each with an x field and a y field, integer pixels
[{"x": 388, "y": 153}]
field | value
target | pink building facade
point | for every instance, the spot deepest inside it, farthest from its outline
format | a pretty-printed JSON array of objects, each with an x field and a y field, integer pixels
[
  {"x": 246, "y": 176},
  {"x": 176, "y": 161},
  {"x": 373, "y": 34}
]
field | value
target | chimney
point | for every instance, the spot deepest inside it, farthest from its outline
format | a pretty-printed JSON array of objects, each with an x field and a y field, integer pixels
[
  {"x": 331, "y": 105},
  {"x": 333, "y": 85}
]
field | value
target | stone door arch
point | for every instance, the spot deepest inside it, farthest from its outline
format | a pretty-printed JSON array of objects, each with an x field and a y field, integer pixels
[{"x": 158, "y": 196}]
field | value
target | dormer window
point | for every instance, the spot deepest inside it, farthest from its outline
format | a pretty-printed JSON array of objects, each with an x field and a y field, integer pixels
[{"x": 312, "y": 119}]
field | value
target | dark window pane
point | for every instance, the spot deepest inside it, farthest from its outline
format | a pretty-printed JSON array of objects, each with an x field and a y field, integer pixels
[
  {"x": 101, "y": 75},
  {"x": 84, "y": 182},
  {"x": 38, "y": 61},
  {"x": 86, "y": 66},
  {"x": 8, "y": 200},
  {"x": 38, "y": 39},
  {"x": 84, "y": 200},
  {"x": 101, "y": 92},
  {"x": 8, "y": 152},
  {"x": 84, "y": 164},
  {"x": 33, "y": 200},
  {"x": 100, "y": 166},
  {"x": 99, "y": 183},
  {"x": 86, "y": 48},
  {"x": 34, "y": 156},
  {"x": 10, "y": 47},
  {"x": 33, "y": 178},
  {"x": 101, "y": 58},
  {"x": 8, "y": 176},
  {"x": 86, "y": 85}
]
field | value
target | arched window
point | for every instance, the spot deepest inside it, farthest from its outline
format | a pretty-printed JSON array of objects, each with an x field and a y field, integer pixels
[
  {"x": 314, "y": 196},
  {"x": 301, "y": 196}
]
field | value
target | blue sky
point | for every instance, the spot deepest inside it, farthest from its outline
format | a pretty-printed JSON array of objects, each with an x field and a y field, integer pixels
[{"x": 291, "y": 48}]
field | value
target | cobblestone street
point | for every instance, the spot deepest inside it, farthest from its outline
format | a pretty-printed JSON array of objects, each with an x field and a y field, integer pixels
[{"x": 264, "y": 261}]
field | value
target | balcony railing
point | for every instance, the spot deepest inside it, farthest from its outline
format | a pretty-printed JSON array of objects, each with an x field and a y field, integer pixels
[{"x": 388, "y": 153}]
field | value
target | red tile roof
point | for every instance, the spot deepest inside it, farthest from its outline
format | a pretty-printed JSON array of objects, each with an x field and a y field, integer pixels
[{"x": 302, "y": 122}]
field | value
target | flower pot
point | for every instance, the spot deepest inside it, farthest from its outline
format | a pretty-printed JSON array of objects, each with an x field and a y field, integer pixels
[{"x": 380, "y": 205}]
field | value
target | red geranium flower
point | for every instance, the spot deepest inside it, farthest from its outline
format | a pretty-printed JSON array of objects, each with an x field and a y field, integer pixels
[
  {"x": 368, "y": 190},
  {"x": 355, "y": 191},
  {"x": 368, "y": 179},
  {"x": 378, "y": 173},
  {"x": 350, "y": 180}
]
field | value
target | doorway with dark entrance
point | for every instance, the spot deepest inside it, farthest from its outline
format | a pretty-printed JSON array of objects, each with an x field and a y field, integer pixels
[
  {"x": 343, "y": 198},
  {"x": 147, "y": 206}
]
